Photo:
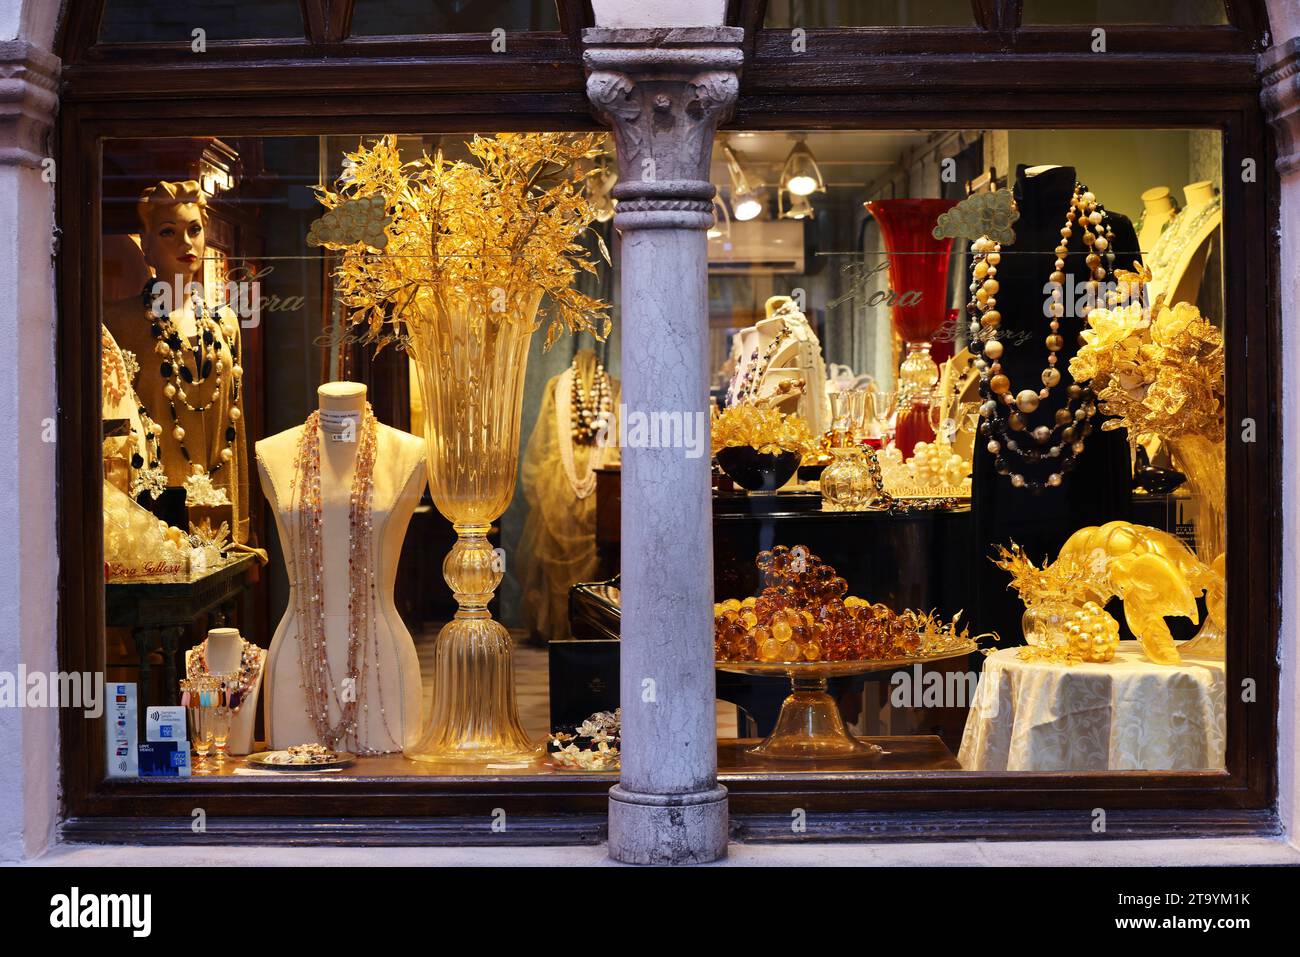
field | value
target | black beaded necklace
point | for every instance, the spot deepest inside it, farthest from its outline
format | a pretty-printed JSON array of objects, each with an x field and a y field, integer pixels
[
  {"x": 206, "y": 353},
  {"x": 1008, "y": 437}
]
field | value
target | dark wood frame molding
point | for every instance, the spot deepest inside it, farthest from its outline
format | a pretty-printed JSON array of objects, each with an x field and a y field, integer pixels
[{"x": 1002, "y": 77}]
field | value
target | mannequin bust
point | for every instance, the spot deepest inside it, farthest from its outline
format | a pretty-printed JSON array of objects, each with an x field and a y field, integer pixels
[
  {"x": 798, "y": 356},
  {"x": 558, "y": 479},
  {"x": 225, "y": 652},
  {"x": 388, "y": 700},
  {"x": 1159, "y": 210},
  {"x": 1098, "y": 488},
  {"x": 189, "y": 352},
  {"x": 1178, "y": 259}
]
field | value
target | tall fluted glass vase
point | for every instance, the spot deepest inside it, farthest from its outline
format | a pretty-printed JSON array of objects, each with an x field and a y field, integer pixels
[
  {"x": 1202, "y": 461},
  {"x": 470, "y": 358}
]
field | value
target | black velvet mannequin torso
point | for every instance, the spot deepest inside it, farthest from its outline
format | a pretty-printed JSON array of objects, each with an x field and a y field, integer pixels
[{"x": 1098, "y": 489}]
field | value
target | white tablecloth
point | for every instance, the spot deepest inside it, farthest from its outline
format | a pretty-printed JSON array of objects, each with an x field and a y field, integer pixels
[{"x": 1126, "y": 715}]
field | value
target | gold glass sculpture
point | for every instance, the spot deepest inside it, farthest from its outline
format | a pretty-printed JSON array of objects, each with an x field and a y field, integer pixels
[
  {"x": 451, "y": 261},
  {"x": 1155, "y": 574}
]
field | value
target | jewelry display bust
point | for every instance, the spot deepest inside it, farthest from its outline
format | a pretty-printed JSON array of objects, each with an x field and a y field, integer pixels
[
  {"x": 1039, "y": 514},
  {"x": 224, "y": 652},
  {"x": 342, "y": 668},
  {"x": 784, "y": 347},
  {"x": 1158, "y": 211},
  {"x": 1178, "y": 259},
  {"x": 189, "y": 352}
]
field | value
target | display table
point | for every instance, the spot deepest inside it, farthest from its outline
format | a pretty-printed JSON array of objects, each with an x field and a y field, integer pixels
[
  {"x": 159, "y": 613},
  {"x": 1126, "y": 715}
]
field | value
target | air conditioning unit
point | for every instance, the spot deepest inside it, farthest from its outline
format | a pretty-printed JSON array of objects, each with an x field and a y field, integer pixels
[{"x": 759, "y": 246}]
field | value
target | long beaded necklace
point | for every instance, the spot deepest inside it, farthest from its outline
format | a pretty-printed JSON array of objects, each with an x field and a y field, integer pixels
[
  {"x": 176, "y": 371},
  {"x": 1063, "y": 441},
  {"x": 758, "y": 366},
  {"x": 590, "y": 409},
  {"x": 318, "y": 681}
]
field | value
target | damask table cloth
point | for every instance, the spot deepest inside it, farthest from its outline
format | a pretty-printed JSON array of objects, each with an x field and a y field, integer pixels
[{"x": 1128, "y": 714}]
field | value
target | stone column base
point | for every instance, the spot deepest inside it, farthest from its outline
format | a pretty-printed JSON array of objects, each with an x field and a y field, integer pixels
[{"x": 667, "y": 828}]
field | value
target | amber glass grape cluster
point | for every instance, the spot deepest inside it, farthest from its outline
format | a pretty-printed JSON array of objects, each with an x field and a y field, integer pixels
[{"x": 805, "y": 613}]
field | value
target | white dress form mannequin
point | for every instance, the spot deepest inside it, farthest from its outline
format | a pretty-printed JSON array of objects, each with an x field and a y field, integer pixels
[
  {"x": 393, "y": 680},
  {"x": 1159, "y": 210},
  {"x": 1178, "y": 262},
  {"x": 225, "y": 651}
]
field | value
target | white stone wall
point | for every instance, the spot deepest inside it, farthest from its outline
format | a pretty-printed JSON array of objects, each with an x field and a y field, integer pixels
[
  {"x": 1284, "y": 19},
  {"x": 28, "y": 571}
]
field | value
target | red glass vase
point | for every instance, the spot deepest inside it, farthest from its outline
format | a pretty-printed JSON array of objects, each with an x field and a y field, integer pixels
[{"x": 918, "y": 263}]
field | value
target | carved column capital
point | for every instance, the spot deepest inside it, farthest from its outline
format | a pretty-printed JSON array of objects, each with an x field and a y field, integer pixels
[
  {"x": 29, "y": 82},
  {"x": 664, "y": 92},
  {"x": 1280, "y": 76}
]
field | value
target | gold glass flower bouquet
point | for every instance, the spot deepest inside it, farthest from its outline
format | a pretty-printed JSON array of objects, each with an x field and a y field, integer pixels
[{"x": 1160, "y": 374}]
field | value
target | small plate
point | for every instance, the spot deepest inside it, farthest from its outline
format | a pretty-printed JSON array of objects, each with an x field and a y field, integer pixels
[{"x": 342, "y": 759}]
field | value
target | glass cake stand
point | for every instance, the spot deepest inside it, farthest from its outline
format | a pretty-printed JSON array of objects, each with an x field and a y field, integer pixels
[{"x": 810, "y": 726}]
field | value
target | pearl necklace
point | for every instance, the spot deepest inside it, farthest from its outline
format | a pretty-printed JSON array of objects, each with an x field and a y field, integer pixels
[
  {"x": 317, "y": 674},
  {"x": 1062, "y": 441},
  {"x": 177, "y": 373},
  {"x": 565, "y": 437},
  {"x": 112, "y": 369},
  {"x": 590, "y": 410}
]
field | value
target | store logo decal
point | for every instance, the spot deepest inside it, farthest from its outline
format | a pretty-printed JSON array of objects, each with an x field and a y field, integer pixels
[{"x": 74, "y": 910}]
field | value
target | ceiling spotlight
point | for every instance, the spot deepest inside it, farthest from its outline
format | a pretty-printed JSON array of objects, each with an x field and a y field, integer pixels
[
  {"x": 745, "y": 204},
  {"x": 599, "y": 185},
  {"x": 799, "y": 208},
  {"x": 800, "y": 175},
  {"x": 721, "y": 220}
]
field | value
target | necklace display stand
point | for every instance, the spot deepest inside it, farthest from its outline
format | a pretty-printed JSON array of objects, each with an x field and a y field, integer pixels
[
  {"x": 223, "y": 652},
  {"x": 388, "y": 700},
  {"x": 1098, "y": 489},
  {"x": 1178, "y": 260}
]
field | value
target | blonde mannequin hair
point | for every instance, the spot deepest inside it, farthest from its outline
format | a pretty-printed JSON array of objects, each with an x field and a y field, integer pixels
[{"x": 157, "y": 198}]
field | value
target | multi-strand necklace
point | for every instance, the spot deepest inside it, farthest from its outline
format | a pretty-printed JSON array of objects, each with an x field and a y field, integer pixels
[
  {"x": 235, "y": 691},
  {"x": 1010, "y": 439},
  {"x": 568, "y": 419},
  {"x": 590, "y": 409},
  {"x": 318, "y": 680},
  {"x": 758, "y": 365},
  {"x": 206, "y": 355}
]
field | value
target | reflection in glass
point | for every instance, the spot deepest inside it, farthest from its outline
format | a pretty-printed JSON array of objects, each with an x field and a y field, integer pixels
[
  {"x": 783, "y": 14},
  {"x": 166, "y": 21}
]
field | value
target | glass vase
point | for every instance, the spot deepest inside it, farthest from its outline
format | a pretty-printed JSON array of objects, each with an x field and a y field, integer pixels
[
  {"x": 846, "y": 484},
  {"x": 1202, "y": 461},
  {"x": 1044, "y": 621},
  {"x": 470, "y": 359}
]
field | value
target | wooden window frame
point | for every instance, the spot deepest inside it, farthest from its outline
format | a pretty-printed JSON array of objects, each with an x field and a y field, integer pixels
[{"x": 1206, "y": 79}]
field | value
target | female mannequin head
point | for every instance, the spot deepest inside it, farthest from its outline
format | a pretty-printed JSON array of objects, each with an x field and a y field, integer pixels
[{"x": 173, "y": 217}]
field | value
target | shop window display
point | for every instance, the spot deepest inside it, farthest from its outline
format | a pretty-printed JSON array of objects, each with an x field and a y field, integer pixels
[{"x": 967, "y": 423}]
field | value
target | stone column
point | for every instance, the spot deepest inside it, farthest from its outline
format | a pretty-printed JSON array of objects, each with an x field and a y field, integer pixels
[
  {"x": 664, "y": 91},
  {"x": 1280, "y": 95}
]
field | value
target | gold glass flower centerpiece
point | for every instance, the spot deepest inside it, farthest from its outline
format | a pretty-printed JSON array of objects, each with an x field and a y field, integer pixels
[{"x": 452, "y": 261}]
